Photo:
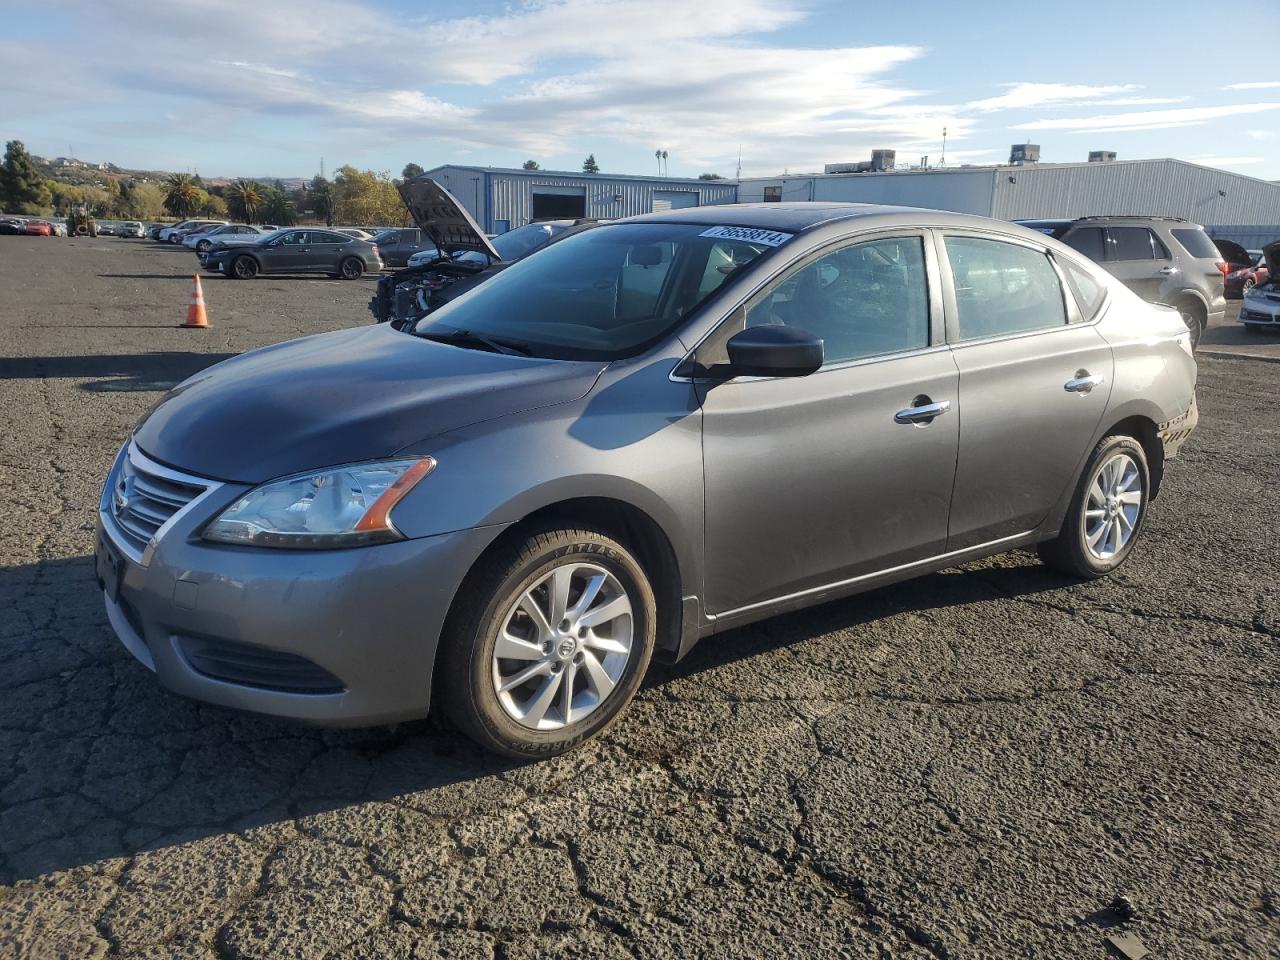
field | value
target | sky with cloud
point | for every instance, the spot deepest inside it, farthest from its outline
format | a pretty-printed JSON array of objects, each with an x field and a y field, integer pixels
[{"x": 268, "y": 87}]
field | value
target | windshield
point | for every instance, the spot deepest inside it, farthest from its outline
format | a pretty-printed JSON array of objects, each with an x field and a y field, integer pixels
[
  {"x": 516, "y": 243},
  {"x": 602, "y": 294}
]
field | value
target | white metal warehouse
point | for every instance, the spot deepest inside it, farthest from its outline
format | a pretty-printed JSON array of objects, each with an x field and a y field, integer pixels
[
  {"x": 1230, "y": 205},
  {"x": 501, "y": 199}
]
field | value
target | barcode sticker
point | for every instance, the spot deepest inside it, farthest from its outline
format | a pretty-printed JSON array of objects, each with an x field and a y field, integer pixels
[{"x": 770, "y": 238}]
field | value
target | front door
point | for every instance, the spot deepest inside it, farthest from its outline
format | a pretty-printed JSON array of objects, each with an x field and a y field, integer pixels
[
  {"x": 1034, "y": 383},
  {"x": 815, "y": 480},
  {"x": 288, "y": 253}
]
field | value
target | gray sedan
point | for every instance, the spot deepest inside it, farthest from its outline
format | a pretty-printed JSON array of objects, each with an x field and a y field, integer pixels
[
  {"x": 295, "y": 251},
  {"x": 640, "y": 436}
]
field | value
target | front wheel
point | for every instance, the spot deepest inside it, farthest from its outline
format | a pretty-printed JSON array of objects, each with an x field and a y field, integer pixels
[
  {"x": 552, "y": 644},
  {"x": 244, "y": 268},
  {"x": 1107, "y": 511}
]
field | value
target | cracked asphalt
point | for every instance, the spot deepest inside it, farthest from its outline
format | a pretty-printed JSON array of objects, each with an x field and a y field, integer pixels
[{"x": 973, "y": 764}]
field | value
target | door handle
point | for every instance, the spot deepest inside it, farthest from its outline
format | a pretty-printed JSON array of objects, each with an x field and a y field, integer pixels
[
  {"x": 1167, "y": 271},
  {"x": 923, "y": 413},
  {"x": 1082, "y": 382}
]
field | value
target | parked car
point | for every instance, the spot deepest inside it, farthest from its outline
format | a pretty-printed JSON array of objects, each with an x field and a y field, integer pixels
[
  {"x": 12, "y": 227},
  {"x": 355, "y": 232},
  {"x": 1260, "y": 310},
  {"x": 131, "y": 228},
  {"x": 1245, "y": 274},
  {"x": 107, "y": 228},
  {"x": 398, "y": 244},
  {"x": 165, "y": 234},
  {"x": 455, "y": 256},
  {"x": 296, "y": 251},
  {"x": 37, "y": 228},
  {"x": 1162, "y": 259},
  {"x": 202, "y": 240},
  {"x": 59, "y": 227},
  {"x": 646, "y": 433},
  {"x": 177, "y": 236}
]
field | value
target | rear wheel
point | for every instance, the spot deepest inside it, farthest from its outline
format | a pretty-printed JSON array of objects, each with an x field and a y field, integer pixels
[
  {"x": 1107, "y": 511},
  {"x": 552, "y": 644},
  {"x": 352, "y": 268},
  {"x": 244, "y": 268}
]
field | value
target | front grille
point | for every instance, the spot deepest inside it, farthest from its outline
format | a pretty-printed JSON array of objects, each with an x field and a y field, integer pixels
[
  {"x": 1255, "y": 316},
  {"x": 145, "y": 495},
  {"x": 252, "y": 666}
]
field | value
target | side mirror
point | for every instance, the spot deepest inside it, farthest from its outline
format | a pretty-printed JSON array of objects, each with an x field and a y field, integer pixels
[{"x": 774, "y": 351}]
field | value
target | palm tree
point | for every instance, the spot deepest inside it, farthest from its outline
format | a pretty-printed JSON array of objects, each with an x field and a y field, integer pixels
[
  {"x": 181, "y": 196},
  {"x": 244, "y": 200}
]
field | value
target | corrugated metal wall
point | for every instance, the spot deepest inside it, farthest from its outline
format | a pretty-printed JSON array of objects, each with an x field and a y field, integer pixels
[
  {"x": 1144, "y": 187},
  {"x": 491, "y": 196},
  {"x": 962, "y": 191}
]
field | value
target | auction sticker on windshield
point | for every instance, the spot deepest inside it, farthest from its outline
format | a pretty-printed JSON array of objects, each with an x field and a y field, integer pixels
[{"x": 770, "y": 238}]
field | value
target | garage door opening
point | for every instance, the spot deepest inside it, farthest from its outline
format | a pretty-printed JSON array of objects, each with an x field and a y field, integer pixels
[
  {"x": 673, "y": 200},
  {"x": 559, "y": 206}
]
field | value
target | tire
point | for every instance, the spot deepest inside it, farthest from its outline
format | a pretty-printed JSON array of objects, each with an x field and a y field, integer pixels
[
  {"x": 1247, "y": 285},
  {"x": 1193, "y": 315},
  {"x": 243, "y": 268},
  {"x": 203, "y": 246},
  {"x": 604, "y": 670},
  {"x": 1118, "y": 463},
  {"x": 352, "y": 268}
]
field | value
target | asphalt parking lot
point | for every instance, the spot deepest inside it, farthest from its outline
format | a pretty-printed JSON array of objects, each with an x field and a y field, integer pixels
[{"x": 973, "y": 764}]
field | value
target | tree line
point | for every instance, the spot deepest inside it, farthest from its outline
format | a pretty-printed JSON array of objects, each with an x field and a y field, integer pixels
[{"x": 353, "y": 196}]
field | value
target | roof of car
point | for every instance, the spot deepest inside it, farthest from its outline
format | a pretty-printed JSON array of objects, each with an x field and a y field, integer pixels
[{"x": 786, "y": 217}]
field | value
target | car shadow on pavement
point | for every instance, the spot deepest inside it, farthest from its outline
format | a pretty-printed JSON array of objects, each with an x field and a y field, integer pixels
[
  {"x": 102, "y": 762},
  {"x": 114, "y": 372},
  {"x": 957, "y": 586}
]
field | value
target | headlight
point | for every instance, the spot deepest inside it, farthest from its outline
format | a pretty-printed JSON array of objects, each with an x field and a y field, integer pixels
[{"x": 338, "y": 507}]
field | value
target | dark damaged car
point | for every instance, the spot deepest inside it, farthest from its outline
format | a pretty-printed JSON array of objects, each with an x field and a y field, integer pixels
[{"x": 456, "y": 255}]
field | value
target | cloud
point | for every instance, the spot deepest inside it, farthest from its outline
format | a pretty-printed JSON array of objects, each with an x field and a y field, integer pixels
[
  {"x": 1025, "y": 95},
  {"x": 1254, "y": 85},
  {"x": 1263, "y": 135},
  {"x": 1147, "y": 120}
]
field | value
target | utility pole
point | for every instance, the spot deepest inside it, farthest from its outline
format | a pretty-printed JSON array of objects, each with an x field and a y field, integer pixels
[
  {"x": 322, "y": 168},
  {"x": 739, "y": 176},
  {"x": 943, "y": 161}
]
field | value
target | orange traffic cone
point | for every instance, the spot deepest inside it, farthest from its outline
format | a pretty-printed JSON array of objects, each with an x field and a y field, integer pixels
[{"x": 195, "y": 310}]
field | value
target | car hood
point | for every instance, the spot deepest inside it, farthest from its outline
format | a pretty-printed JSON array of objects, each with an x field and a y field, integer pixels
[
  {"x": 1233, "y": 253},
  {"x": 438, "y": 213},
  {"x": 1271, "y": 259},
  {"x": 342, "y": 397}
]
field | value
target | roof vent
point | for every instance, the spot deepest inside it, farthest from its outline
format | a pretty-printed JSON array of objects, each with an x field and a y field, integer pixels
[{"x": 1101, "y": 156}]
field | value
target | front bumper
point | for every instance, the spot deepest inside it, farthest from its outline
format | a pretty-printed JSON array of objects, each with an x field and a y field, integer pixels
[
  {"x": 1262, "y": 311},
  {"x": 339, "y": 637}
]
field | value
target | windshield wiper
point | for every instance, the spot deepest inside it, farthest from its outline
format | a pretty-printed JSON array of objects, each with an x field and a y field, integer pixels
[{"x": 460, "y": 338}]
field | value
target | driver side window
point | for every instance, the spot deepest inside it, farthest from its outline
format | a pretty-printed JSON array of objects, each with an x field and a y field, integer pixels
[{"x": 863, "y": 300}]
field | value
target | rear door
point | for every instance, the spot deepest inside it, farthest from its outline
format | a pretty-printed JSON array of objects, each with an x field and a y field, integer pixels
[
  {"x": 1139, "y": 259},
  {"x": 325, "y": 250},
  {"x": 1034, "y": 382}
]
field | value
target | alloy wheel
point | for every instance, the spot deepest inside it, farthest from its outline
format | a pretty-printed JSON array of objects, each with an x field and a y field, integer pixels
[
  {"x": 1113, "y": 507},
  {"x": 563, "y": 646}
]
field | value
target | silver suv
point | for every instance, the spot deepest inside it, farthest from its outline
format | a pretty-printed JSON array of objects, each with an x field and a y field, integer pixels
[{"x": 1162, "y": 259}]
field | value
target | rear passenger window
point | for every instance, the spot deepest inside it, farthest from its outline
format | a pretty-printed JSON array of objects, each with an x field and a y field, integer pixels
[
  {"x": 1002, "y": 288},
  {"x": 863, "y": 300},
  {"x": 1089, "y": 242},
  {"x": 1197, "y": 243},
  {"x": 1131, "y": 243},
  {"x": 1087, "y": 289}
]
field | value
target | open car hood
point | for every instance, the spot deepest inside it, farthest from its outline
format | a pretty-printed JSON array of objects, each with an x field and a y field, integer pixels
[
  {"x": 1233, "y": 253},
  {"x": 443, "y": 218},
  {"x": 1271, "y": 258}
]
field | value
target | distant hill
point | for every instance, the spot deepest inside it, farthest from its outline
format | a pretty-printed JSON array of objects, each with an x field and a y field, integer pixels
[{"x": 80, "y": 172}]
